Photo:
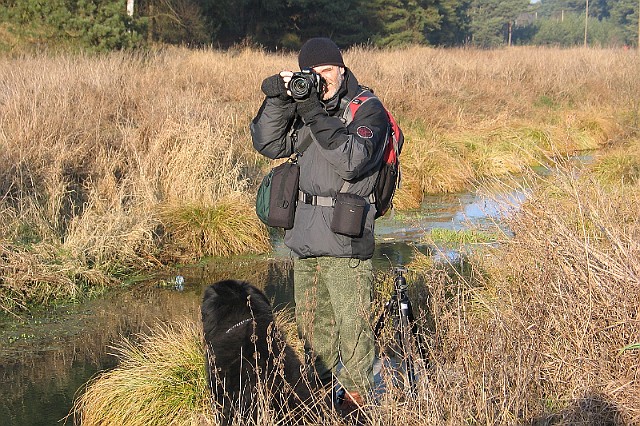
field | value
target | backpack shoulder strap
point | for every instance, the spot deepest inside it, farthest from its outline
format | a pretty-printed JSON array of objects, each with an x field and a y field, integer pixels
[{"x": 350, "y": 110}]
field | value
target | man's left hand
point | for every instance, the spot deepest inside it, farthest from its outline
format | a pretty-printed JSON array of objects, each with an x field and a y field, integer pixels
[{"x": 309, "y": 105}]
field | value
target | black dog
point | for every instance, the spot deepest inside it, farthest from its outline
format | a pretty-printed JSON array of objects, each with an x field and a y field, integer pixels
[{"x": 245, "y": 350}]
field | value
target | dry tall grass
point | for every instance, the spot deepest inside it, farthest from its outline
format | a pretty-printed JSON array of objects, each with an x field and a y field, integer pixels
[
  {"x": 542, "y": 331},
  {"x": 473, "y": 114},
  {"x": 93, "y": 149}
]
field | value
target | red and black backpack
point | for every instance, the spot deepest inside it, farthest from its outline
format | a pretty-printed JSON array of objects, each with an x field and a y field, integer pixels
[{"x": 389, "y": 176}]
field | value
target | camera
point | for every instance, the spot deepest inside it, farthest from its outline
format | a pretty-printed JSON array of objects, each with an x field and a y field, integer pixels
[
  {"x": 400, "y": 281},
  {"x": 302, "y": 82}
]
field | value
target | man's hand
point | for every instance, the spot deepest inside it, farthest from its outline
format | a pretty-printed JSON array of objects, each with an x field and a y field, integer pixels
[
  {"x": 275, "y": 86},
  {"x": 286, "y": 77},
  {"x": 311, "y": 105}
]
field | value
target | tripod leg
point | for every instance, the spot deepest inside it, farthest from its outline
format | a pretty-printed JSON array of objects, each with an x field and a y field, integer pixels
[
  {"x": 408, "y": 352},
  {"x": 417, "y": 338},
  {"x": 406, "y": 339},
  {"x": 380, "y": 323}
]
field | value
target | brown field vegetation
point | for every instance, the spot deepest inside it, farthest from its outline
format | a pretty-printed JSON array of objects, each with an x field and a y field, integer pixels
[
  {"x": 129, "y": 161},
  {"x": 542, "y": 330}
]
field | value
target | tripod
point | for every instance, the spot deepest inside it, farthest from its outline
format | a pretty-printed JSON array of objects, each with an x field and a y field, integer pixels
[{"x": 405, "y": 328}]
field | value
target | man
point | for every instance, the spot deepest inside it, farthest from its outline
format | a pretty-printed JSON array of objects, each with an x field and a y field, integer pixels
[{"x": 333, "y": 275}]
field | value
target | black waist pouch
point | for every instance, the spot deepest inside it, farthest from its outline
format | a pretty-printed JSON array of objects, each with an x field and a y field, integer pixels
[
  {"x": 277, "y": 195},
  {"x": 349, "y": 214}
]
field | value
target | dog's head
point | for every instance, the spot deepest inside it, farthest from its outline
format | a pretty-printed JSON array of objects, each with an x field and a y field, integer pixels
[{"x": 234, "y": 308}]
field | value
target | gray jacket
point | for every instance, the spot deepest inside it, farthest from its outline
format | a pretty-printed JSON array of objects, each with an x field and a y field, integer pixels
[{"x": 337, "y": 154}]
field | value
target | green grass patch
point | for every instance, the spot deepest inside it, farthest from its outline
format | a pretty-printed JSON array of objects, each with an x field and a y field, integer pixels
[
  {"x": 465, "y": 236},
  {"x": 545, "y": 101}
]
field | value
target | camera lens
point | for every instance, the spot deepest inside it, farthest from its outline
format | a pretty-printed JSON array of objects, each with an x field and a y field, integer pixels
[{"x": 299, "y": 87}]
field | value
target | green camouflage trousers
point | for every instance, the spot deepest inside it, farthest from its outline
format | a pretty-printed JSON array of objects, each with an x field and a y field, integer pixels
[{"x": 333, "y": 312}]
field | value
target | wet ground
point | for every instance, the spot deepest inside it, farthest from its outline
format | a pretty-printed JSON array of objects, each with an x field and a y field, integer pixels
[{"x": 45, "y": 360}]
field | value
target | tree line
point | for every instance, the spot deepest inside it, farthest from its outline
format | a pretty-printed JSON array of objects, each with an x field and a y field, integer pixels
[{"x": 285, "y": 24}]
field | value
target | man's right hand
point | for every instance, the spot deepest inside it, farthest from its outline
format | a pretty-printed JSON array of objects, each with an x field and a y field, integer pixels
[
  {"x": 286, "y": 77},
  {"x": 276, "y": 85}
]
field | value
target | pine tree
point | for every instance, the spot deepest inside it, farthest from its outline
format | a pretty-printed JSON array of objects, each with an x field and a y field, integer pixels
[
  {"x": 491, "y": 20},
  {"x": 405, "y": 21},
  {"x": 347, "y": 22},
  {"x": 453, "y": 29},
  {"x": 624, "y": 15},
  {"x": 87, "y": 24}
]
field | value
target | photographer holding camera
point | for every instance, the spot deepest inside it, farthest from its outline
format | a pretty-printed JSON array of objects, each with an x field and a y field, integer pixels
[{"x": 333, "y": 233}]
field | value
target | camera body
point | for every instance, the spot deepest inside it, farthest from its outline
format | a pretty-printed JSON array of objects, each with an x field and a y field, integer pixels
[
  {"x": 302, "y": 82},
  {"x": 400, "y": 281}
]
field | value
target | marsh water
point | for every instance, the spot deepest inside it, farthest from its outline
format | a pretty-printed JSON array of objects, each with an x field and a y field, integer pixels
[{"x": 46, "y": 359}]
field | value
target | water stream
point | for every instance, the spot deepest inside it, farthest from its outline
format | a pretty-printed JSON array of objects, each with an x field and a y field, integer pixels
[{"x": 46, "y": 359}]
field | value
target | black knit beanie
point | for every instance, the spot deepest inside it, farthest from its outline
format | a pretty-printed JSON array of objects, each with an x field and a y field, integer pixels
[{"x": 319, "y": 51}]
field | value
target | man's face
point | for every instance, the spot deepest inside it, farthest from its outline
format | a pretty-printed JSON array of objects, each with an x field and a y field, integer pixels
[{"x": 333, "y": 76}]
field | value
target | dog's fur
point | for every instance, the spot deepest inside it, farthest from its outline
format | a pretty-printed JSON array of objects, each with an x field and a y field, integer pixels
[{"x": 244, "y": 349}]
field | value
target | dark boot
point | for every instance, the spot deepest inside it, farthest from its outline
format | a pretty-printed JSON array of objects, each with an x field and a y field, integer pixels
[{"x": 351, "y": 406}]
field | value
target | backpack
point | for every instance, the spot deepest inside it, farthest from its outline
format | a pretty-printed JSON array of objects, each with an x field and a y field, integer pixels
[{"x": 389, "y": 176}]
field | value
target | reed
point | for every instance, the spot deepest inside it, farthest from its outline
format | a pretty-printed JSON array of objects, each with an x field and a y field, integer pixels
[{"x": 537, "y": 331}]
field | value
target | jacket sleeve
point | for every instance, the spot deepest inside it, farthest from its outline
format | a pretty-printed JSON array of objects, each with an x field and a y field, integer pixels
[
  {"x": 271, "y": 128},
  {"x": 355, "y": 149}
]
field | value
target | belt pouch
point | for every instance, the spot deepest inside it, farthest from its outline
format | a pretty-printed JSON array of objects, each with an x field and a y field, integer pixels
[{"x": 348, "y": 214}]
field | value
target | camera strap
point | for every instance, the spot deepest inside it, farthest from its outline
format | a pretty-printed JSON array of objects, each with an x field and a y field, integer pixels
[
  {"x": 297, "y": 151},
  {"x": 303, "y": 147}
]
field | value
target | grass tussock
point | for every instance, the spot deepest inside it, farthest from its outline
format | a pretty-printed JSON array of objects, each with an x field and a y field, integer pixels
[
  {"x": 620, "y": 166},
  {"x": 94, "y": 149},
  {"x": 159, "y": 381},
  {"x": 197, "y": 231}
]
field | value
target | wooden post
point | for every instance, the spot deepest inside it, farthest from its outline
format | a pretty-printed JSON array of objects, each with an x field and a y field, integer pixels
[
  {"x": 151, "y": 22},
  {"x": 130, "y": 7},
  {"x": 586, "y": 22}
]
